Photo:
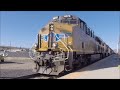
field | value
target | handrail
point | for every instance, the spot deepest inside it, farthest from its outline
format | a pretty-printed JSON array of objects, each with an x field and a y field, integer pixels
[
  {"x": 30, "y": 55},
  {"x": 63, "y": 44}
]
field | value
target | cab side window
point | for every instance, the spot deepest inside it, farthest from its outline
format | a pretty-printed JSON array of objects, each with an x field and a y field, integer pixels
[
  {"x": 83, "y": 45},
  {"x": 81, "y": 24}
]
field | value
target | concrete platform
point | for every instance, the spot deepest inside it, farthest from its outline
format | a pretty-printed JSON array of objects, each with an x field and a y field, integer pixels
[{"x": 107, "y": 68}]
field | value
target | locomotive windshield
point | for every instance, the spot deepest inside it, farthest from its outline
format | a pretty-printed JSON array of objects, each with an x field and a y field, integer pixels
[
  {"x": 66, "y": 19},
  {"x": 69, "y": 21}
]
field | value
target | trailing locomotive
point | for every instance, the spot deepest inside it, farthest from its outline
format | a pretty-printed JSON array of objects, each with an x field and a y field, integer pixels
[{"x": 66, "y": 43}]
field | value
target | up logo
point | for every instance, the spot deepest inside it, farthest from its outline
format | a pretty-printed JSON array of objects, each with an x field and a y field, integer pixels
[
  {"x": 45, "y": 37},
  {"x": 57, "y": 37}
]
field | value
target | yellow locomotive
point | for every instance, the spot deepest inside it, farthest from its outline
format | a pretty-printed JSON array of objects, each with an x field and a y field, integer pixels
[{"x": 65, "y": 43}]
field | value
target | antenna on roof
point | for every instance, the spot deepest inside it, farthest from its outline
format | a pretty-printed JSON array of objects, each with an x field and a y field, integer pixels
[
  {"x": 66, "y": 12},
  {"x": 118, "y": 47}
]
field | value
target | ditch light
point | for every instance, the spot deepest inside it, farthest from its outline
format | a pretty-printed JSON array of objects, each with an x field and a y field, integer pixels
[{"x": 51, "y": 27}]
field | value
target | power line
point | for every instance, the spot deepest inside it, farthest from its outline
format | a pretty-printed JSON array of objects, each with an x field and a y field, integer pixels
[
  {"x": 119, "y": 43},
  {"x": 118, "y": 47}
]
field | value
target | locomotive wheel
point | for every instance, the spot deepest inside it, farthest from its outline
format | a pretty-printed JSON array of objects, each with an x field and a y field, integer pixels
[
  {"x": 85, "y": 63},
  {"x": 79, "y": 65},
  {"x": 2, "y": 60},
  {"x": 88, "y": 60},
  {"x": 101, "y": 56},
  {"x": 76, "y": 66},
  {"x": 67, "y": 68}
]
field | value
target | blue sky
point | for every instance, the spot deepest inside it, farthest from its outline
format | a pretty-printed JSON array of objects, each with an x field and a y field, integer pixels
[{"x": 21, "y": 27}]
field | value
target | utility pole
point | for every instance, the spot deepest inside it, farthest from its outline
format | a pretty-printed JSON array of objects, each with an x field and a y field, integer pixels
[
  {"x": 10, "y": 45},
  {"x": 65, "y": 12},
  {"x": 119, "y": 37},
  {"x": 0, "y": 30}
]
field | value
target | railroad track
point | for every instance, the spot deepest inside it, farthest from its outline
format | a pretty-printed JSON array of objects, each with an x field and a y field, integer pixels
[
  {"x": 36, "y": 76},
  {"x": 43, "y": 76}
]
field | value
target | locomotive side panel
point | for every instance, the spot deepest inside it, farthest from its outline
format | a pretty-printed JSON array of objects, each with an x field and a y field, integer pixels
[{"x": 82, "y": 43}]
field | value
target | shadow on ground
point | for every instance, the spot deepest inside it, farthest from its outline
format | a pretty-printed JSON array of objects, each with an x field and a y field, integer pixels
[{"x": 8, "y": 62}]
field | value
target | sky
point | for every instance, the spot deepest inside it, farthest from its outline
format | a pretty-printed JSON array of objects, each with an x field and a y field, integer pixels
[{"x": 20, "y": 28}]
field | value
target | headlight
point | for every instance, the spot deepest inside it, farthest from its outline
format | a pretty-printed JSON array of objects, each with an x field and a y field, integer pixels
[
  {"x": 35, "y": 45},
  {"x": 51, "y": 27},
  {"x": 55, "y": 44}
]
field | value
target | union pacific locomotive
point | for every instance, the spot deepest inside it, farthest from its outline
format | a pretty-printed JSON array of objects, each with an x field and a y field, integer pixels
[{"x": 65, "y": 43}]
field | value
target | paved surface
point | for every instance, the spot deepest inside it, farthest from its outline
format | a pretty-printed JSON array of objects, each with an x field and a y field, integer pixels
[
  {"x": 16, "y": 67},
  {"x": 107, "y": 68}
]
